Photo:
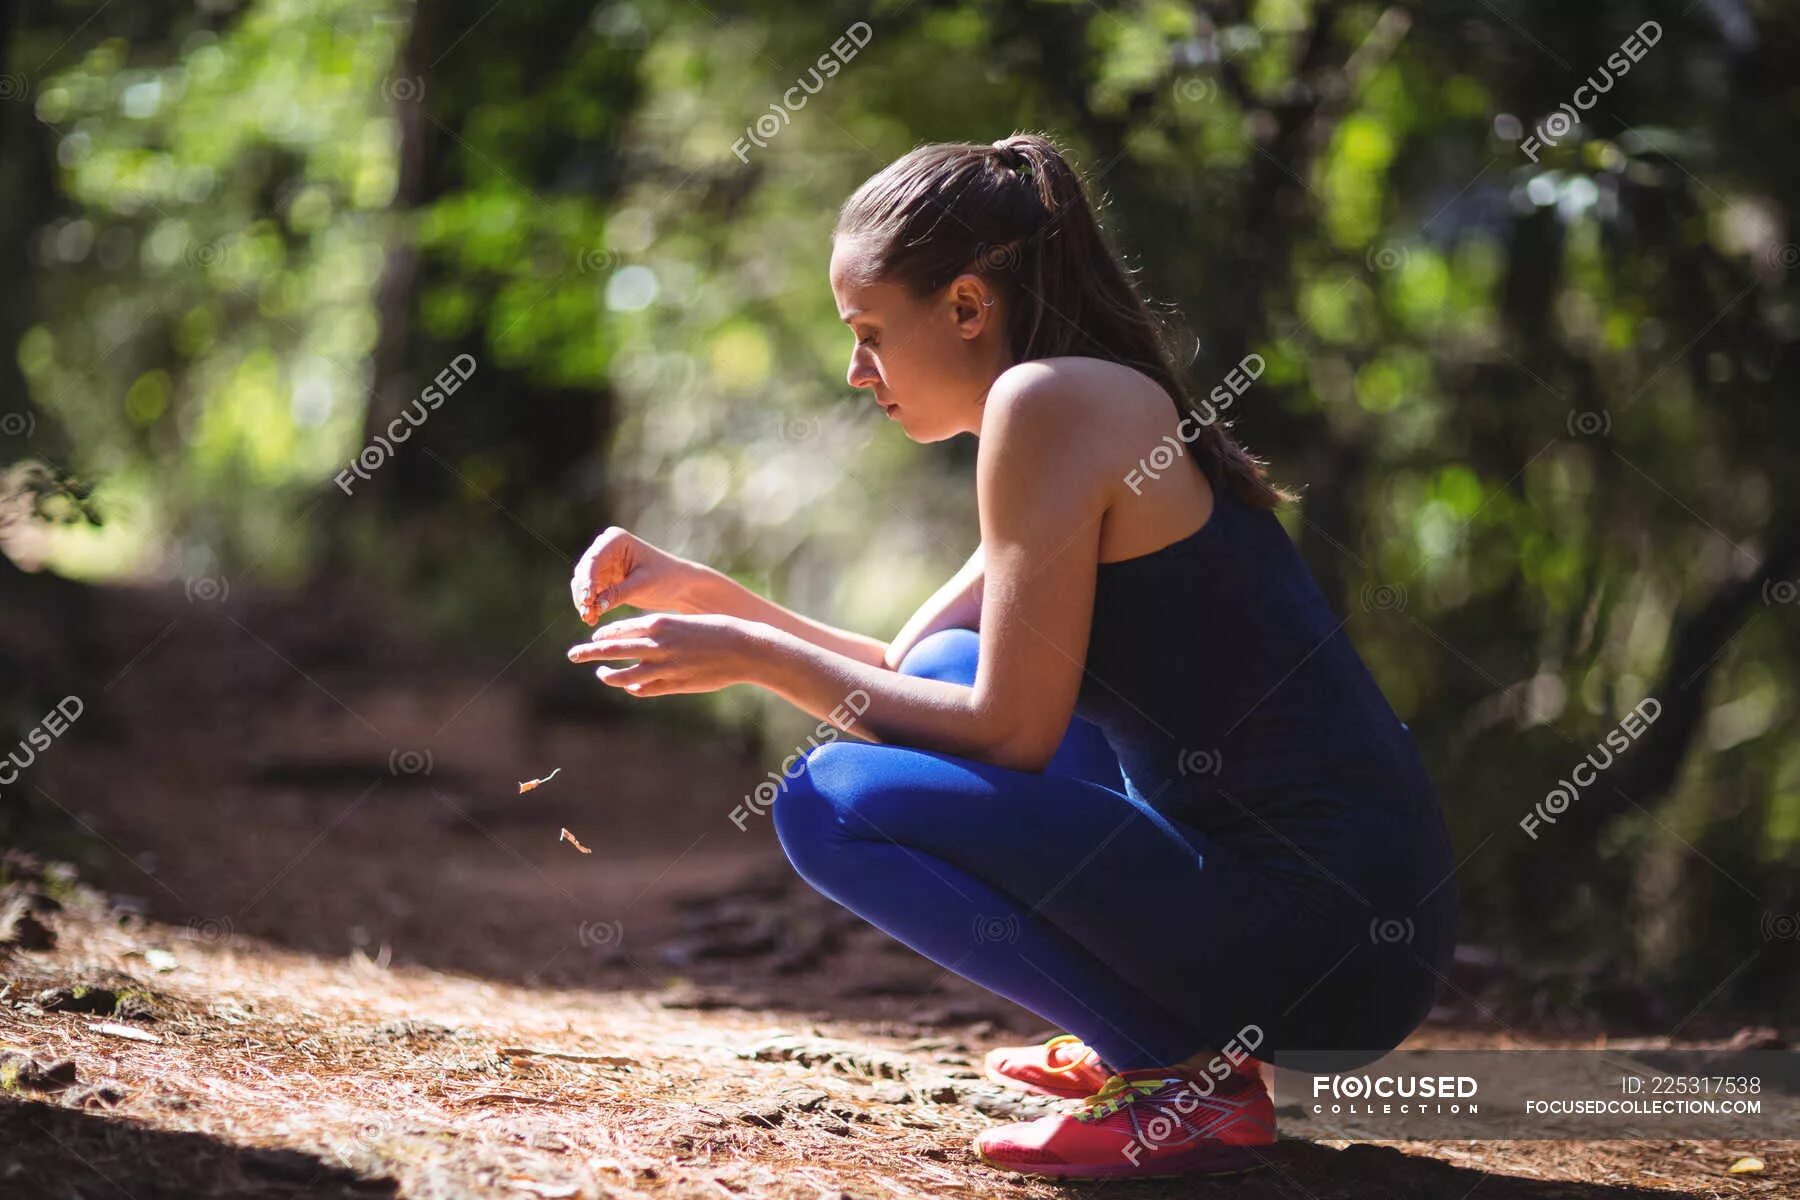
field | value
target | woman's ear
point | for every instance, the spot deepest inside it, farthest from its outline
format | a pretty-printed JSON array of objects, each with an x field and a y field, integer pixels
[{"x": 971, "y": 305}]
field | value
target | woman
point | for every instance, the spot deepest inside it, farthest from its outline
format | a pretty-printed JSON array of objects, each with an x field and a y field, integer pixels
[{"x": 1125, "y": 768}]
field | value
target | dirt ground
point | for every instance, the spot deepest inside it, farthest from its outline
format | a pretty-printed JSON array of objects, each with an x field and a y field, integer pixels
[{"x": 326, "y": 948}]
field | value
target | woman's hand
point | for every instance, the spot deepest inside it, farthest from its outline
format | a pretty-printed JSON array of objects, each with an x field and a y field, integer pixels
[
  {"x": 622, "y": 568},
  {"x": 676, "y": 654}
]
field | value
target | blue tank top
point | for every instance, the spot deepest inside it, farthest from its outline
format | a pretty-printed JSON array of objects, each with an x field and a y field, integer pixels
[{"x": 1237, "y": 706}]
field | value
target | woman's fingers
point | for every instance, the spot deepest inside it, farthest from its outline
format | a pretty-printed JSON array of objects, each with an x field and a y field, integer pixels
[
  {"x": 602, "y": 565},
  {"x": 594, "y": 601},
  {"x": 581, "y": 580},
  {"x": 625, "y": 677},
  {"x": 611, "y": 648},
  {"x": 599, "y": 600}
]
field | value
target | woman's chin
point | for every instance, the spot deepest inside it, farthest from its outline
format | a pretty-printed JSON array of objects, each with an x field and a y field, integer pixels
[
  {"x": 913, "y": 428},
  {"x": 907, "y": 425}
]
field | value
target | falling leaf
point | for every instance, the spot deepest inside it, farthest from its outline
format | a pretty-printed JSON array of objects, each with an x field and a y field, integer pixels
[
  {"x": 1747, "y": 1165},
  {"x": 531, "y": 783},
  {"x": 574, "y": 841}
]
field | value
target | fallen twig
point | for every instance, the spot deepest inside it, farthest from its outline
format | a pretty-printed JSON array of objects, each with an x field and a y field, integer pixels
[{"x": 611, "y": 1060}]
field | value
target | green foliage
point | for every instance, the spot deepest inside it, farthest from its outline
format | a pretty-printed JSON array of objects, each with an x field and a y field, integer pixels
[{"x": 208, "y": 300}]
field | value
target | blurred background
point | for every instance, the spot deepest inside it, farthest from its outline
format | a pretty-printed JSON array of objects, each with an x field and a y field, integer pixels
[{"x": 1529, "y": 321}]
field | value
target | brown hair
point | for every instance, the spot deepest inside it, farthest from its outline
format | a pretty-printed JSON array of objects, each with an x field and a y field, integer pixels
[{"x": 1016, "y": 214}]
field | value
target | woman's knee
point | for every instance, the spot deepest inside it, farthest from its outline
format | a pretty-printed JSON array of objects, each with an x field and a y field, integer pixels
[
  {"x": 952, "y": 655},
  {"x": 826, "y": 809},
  {"x": 947, "y": 654},
  {"x": 809, "y": 810}
]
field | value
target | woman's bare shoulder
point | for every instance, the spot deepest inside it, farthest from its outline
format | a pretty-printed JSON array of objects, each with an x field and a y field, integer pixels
[{"x": 1107, "y": 407}]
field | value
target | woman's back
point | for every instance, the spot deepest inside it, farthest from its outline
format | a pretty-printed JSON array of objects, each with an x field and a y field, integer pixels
[{"x": 1237, "y": 704}]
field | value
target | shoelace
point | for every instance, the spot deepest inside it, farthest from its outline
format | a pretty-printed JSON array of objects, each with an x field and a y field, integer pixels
[
  {"x": 1116, "y": 1093},
  {"x": 1063, "y": 1039}
]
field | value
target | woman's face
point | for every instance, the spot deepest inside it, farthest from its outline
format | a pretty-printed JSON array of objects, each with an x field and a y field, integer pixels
[{"x": 929, "y": 363}]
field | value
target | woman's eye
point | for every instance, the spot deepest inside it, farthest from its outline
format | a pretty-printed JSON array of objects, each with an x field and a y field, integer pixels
[{"x": 866, "y": 341}]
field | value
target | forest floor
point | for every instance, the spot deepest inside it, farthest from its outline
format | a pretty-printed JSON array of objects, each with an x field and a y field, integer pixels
[{"x": 326, "y": 948}]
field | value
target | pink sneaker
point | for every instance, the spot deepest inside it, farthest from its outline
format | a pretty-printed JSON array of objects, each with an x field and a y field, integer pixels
[
  {"x": 1145, "y": 1124},
  {"x": 1063, "y": 1066}
]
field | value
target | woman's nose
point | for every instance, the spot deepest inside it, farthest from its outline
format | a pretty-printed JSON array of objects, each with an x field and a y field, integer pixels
[{"x": 862, "y": 372}]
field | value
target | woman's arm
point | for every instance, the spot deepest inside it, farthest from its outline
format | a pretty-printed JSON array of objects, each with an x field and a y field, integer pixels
[
  {"x": 955, "y": 605},
  {"x": 1042, "y": 496},
  {"x": 621, "y": 568},
  {"x": 716, "y": 592}
]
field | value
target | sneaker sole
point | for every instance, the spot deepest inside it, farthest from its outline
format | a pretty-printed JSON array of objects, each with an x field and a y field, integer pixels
[{"x": 1239, "y": 1167}]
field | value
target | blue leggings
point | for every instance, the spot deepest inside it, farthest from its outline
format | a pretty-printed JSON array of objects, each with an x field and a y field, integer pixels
[{"x": 1147, "y": 939}]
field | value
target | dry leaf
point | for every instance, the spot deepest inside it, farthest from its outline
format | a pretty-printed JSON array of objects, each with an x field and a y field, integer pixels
[
  {"x": 574, "y": 841},
  {"x": 1747, "y": 1165},
  {"x": 549, "y": 1191},
  {"x": 124, "y": 1031},
  {"x": 531, "y": 783}
]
